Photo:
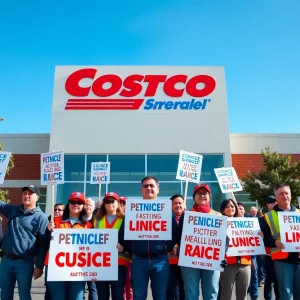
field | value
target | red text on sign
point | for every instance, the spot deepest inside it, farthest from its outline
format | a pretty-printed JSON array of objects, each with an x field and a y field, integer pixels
[
  {"x": 145, "y": 225},
  {"x": 131, "y": 86},
  {"x": 83, "y": 259},
  {"x": 202, "y": 252}
]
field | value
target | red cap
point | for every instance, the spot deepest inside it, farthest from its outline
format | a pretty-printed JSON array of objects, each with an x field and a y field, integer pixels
[
  {"x": 123, "y": 198},
  {"x": 77, "y": 196},
  {"x": 202, "y": 186},
  {"x": 113, "y": 195}
]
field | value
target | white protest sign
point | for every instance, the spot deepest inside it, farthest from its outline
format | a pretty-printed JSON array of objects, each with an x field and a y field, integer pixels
[
  {"x": 228, "y": 180},
  {"x": 189, "y": 166},
  {"x": 100, "y": 172},
  {"x": 52, "y": 168},
  {"x": 4, "y": 160},
  {"x": 244, "y": 237},
  {"x": 203, "y": 241},
  {"x": 148, "y": 219},
  {"x": 289, "y": 224},
  {"x": 83, "y": 254}
]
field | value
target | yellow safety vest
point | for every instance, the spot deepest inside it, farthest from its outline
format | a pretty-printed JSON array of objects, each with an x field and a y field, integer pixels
[{"x": 123, "y": 257}]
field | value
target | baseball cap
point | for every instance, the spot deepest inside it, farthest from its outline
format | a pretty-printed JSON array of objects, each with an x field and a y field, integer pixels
[
  {"x": 202, "y": 186},
  {"x": 270, "y": 200},
  {"x": 123, "y": 199},
  {"x": 32, "y": 188},
  {"x": 77, "y": 196},
  {"x": 113, "y": 195}
]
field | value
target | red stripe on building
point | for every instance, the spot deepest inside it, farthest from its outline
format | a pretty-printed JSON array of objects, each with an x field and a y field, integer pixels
[{"x": 104, "y": 104}]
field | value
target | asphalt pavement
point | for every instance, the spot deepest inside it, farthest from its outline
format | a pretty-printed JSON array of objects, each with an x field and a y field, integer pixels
[{"x": 38, "y": 291}]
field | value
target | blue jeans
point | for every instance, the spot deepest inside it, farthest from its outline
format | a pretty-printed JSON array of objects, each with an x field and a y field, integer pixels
[
  {"x": 253, "y": 287},
  {"x": 175, "y": 285},
  {"x": 92, "y": 290},
  {"x": 209, "y": 283},
  {"x": 261, "y": 272},
  {"x": 117, "y": 286},
  {"x": 288, "y": 280},
  {"x": 155, "y": 268},
  {"x": 62, "y": 290},
  {"x": 12, "y": 271},
  {"x": 270, "y": 280}
]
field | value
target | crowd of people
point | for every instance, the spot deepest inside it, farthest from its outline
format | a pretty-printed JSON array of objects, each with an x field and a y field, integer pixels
[{"x": 26, "y": 241}]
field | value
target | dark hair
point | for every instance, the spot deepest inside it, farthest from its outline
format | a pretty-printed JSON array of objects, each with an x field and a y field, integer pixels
[
  {"x": 279, "y": 186},
  {"x": 176, "y": 196},
  {"x": 241, "y": 204},
  {"x": 101, "y": 212},
  {"x": 148, "y": 178},
  {"x": 59, "y": 204},
  {"x": 82, "y": 217},
  {"x": 225, "y": 203}
]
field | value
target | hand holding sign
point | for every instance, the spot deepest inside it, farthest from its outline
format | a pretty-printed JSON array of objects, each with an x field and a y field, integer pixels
[
  {"x": 289, "y": 224},
  {"x": 203, "y": 241}
]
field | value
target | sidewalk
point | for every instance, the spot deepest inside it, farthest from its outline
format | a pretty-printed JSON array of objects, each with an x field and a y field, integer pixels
[{"x": 38, "y": 291}]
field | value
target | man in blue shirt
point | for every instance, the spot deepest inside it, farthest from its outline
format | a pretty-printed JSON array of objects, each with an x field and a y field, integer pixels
[{"x": 22, "y": 244}]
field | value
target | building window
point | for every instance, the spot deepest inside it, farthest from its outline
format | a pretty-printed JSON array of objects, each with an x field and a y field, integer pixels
[
  {"x": 42, "y": 199},
  {"x": 127, "y": 167},
  {"x": 163, "y": 167},
  {"x": 65, "y": 190},
  {"x": 127, "y": 172},
  {"x": 74, "y": 167}
]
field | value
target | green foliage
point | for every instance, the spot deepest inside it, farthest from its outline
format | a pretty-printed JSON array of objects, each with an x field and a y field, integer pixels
[
  {"x": 4, "y": 194},
  {"x": 277, "y": 169}
]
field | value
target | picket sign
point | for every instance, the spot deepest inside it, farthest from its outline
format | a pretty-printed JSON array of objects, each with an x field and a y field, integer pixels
[
  {"x": 52, "y": 172},
  {"x": 4, "y": 160},
  {"x": 189, "y": 169},
  {"x": 100, "y": 173}
]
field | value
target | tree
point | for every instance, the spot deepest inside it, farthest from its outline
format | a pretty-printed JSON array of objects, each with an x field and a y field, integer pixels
[
  {"x": 277, "y": 169},
  {"x": 3, "y": 194}
]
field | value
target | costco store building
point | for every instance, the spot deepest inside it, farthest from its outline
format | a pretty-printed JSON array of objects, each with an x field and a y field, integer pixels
[{"x": 138, "y": 118}]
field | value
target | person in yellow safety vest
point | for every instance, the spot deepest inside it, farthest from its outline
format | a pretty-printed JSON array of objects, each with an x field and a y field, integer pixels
[
  {"x": 238, "y": 270},
  {"x": 271, "y": 279},
  {"x": 286, "y": 264},
  {"x": 192, "y": 276},
  {"x": 175, "y": 288},
  {"x": 110, "y": 216}
]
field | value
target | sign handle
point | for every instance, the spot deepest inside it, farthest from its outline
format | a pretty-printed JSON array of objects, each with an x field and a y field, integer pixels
[
  {"x": 52, "y": 201},
  {"x": 99, "y": 192},
  {"x": 233, "y": 197},
  {"x": 185, "y": 192}
]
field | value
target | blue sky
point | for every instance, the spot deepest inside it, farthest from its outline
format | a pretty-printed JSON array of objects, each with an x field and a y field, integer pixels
[{"x": 257, "y": 42}]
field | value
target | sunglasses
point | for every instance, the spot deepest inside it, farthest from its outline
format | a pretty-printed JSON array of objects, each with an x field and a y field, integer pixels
[
  {"x": 122, "y": 202},
  {"x": 58, "y": 209},
  {"x": 202, "y": 194},
  {"x": 145, "y": 186},
  {"x": 75, "y": 203},
  {"x": 109, "y": 201}
]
